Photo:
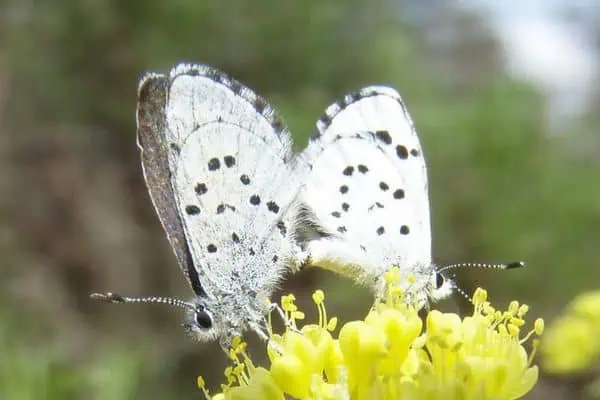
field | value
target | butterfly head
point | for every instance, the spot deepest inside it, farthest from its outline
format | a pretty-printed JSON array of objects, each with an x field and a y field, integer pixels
[
  {"x": 200, "y": 322},
  {"x": 222, "y": 318},
  {"x": 438, "y": 284},
  {"x": 442, "y": 286}
]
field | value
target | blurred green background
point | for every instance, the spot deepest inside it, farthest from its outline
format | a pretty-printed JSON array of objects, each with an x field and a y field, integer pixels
[{"x": 510, "y": 178}]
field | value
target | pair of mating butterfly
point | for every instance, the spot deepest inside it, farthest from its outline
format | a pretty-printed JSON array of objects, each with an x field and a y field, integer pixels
[{"x": 240, "y": 209}]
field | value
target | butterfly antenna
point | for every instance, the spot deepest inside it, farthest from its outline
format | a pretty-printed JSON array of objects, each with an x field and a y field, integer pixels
[
  {"x": 509, "y": 265},
  {"x": 110, "y": 297},
  {"x": 460, "y": 291}
]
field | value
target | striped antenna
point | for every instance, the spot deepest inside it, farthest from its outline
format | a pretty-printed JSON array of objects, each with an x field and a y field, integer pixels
[
  {"x": 509, "y": 265},
  {"x": 110, "y": 297}
]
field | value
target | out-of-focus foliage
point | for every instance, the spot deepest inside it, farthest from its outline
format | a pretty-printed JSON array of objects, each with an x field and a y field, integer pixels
[{"x": 75, "y": 216}]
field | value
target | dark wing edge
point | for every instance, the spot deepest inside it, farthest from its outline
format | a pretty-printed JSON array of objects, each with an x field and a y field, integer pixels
[
  {"x": 335, "y": 108},
  {"x": 152, "y": 97},
  {"x": 259, "y": 103}
]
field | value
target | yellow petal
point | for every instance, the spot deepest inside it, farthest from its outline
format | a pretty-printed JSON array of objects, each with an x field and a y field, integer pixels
[
  {"x": 291, "y": 376},
  {"x": 261, "y": 386}
]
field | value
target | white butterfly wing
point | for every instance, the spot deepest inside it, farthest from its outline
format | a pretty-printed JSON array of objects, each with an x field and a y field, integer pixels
[
  {"x": 232, "y": 179},
  {"x": 368, "y": 186}
]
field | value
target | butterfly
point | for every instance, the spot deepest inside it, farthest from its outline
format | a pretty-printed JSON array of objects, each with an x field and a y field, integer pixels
[
  {"x": 365, "y": 203},
  {"x": 221, "y": 174}
]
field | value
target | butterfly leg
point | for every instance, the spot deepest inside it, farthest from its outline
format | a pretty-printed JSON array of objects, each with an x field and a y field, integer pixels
[
  {"x": 287, "y": 322},
  {"x": 264, "y": 336},
  {"x": 260, "y": 331}
]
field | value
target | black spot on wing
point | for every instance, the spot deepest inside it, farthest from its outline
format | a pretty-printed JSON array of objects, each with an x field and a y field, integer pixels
[
  {"x": 244, "y": 179},
  {"x": 211, "y": 248},
  {"x": 229, "y": 161},
  {"x": 401, "y": 152},
  {"x": 384, "y": 136},
  {"x": 273, "y": 207},
  {"x": 348, "y": 170},
  {"x": 214, "y": 164},
  {"x": 399, "y": 194},
  {"x": 192, "y": 210},
  {"x": 200, "y": 189},
  {"x": 404, "y": 230},
  {"x": 255, "y": 199}
]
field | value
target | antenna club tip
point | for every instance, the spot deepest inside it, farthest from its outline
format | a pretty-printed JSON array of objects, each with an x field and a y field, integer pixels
[{"x": 516, "y": 264}]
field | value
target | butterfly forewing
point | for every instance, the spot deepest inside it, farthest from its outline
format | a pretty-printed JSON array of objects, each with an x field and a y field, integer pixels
[{"x": 232, "y": 176}]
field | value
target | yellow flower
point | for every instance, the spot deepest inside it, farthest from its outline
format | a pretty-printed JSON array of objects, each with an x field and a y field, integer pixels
[
  {"x": 389, "y": 355},
  {"x": 571, "y": 344},
  {"x": 480, "y": 357}
]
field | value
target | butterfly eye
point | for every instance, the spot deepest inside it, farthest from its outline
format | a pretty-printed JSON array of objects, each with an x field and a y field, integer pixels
[
  {"x": 203, "y": 319},
  {"x": 439, "y": 280}
]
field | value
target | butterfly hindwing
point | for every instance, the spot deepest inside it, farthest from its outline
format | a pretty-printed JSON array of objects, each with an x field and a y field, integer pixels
[{"x": 368, "y": 186}]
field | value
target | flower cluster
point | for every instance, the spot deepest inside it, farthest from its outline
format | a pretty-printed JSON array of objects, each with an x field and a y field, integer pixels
[
  {"x": 579, "y": 325},
  {"x": 389, "y": 355}
]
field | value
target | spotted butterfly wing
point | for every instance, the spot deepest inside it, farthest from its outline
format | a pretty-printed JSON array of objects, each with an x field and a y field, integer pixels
[
  {"x": 219, "y": 168},
  {"x": 366, "y": 197}
]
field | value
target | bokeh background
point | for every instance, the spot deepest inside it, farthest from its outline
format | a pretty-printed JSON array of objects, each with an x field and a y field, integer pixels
[{"x": 505, "y": 96}]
